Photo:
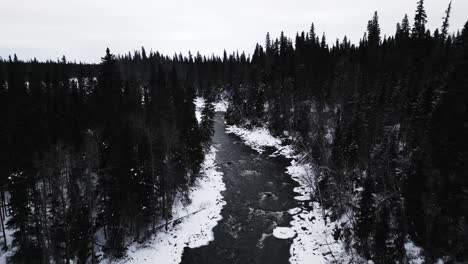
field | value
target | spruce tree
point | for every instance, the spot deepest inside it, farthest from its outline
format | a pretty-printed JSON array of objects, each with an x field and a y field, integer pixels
[
  {"x": 420, "y": 20},
  {"x": 445, "y": 24},
  {"x": 207, "y": 122},
  {"x": 405, "y": 26},
  {"x": 373, "y": 30},
  {"x": 312, "y": 34},
  {"x": 113, "y": 182}
]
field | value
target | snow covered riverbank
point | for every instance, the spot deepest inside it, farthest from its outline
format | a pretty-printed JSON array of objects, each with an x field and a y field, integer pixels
[
  {"x": 220, "y": 106},
  {"x": 313, "y": 240},
  {"x": 313, "y": 236},
  {"x": 195, "y": 224}
]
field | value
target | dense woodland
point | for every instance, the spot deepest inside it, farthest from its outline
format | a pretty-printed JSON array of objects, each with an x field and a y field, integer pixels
[
  {"x": 93, "y": 155},
  {"x": 385, "y": 125}
]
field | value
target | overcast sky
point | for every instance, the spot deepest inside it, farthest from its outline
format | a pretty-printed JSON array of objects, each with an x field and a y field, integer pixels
[{"x": 82, "y": 29}]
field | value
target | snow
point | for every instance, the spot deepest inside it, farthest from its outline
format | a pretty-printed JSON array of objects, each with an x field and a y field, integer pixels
[
  {"x": 197, "y": 221},
  {"x": 284, "y": 232},
  {"x": 329, "y": 136},
  {"x": 199, "y": 104},
  {"x": 294, "y": 211},
  {"x": 221, "y": 106},
  {"x": 302, "y": 198},
  {"x": 313, "y": 240},
  {"x": 258, "y": 138},
  {"x": 73, "y": 80},
  {"x": 9, "y": 237},
  {"x": 5, "y": 256},
  {"x": 413, "y": 253}
]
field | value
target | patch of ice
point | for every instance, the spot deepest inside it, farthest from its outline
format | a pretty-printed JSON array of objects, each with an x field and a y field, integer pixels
[
  {"x": 284, "y": 232},
  {"x": 302, "y": 198},
  {"x": 294, "y": 211},
  {"x": 197, "y": 221}
]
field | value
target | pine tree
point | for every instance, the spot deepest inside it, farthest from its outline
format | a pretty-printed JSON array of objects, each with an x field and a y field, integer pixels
[
  {"x": 22, "y": 214},
  {"x": 445, "y": 24},
  {"x": 191, "y": 136},
  {"x": 420, "y": 20},
  {"x": 268, "y": 42},
  {"x": 373, "y": 30},
  {"x": 113, "y": 183},
  {"x": 207, "y": 122},
  {"x": 405, "y": 27},
  {"x": 312, "y": 34},
  {"x": 323, "y": 43},
  {"x": 143, "y": 53},
  {"x": 365, "y": 219}
]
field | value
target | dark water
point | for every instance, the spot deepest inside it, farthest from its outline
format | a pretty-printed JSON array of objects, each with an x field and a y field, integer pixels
[{"x": 258, "y": 195}]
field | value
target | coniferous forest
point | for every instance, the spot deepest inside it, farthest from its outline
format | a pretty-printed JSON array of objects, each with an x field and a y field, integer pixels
[{"x": 93, "y": 155}]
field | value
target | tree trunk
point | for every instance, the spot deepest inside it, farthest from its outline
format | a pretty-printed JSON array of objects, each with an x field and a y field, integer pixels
[
  {"x": 3, "y": 228},
  {"x": 153, "y": 173}
]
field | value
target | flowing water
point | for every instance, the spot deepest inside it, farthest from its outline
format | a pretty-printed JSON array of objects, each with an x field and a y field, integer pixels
[{"x": 258, "y": 195}]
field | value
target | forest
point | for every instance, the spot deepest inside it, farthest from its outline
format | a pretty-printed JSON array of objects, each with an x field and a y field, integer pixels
[
  {"x": 96, "y": 153},
  {"x": 95, "y": 149}
]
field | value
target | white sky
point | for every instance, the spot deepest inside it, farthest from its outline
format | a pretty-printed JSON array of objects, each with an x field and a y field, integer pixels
[{"x": 82, "y": 29}]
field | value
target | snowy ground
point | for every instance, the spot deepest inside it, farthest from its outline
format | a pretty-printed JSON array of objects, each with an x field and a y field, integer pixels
[
  {"x": 194, "y": 229},
  {"x": 314, "y": 242},
  {"x": 312, "y": 236},
  {"x": 414, "y": 254},
  {"x": 258, "y": 138},
  {"x": 196, "y": 220},
  {"x": 9, "y": 238},
  {"x": 220, "y": 106},
  {"x": 199, "y": 104}
]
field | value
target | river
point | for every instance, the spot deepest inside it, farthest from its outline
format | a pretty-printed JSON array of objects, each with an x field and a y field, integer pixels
[{"x": 258, "y": 195}]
